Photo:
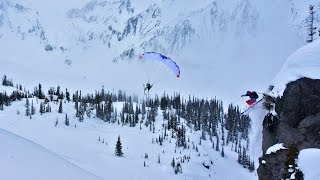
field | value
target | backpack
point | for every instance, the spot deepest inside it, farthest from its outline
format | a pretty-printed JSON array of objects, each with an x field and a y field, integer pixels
[{"x": 254, "y": 95}]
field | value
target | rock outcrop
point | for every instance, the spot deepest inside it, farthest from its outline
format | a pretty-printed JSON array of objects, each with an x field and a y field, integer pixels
[{"x": 297, "y": 126}]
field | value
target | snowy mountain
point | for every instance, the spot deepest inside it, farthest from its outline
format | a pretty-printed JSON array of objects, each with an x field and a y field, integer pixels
[
  {"x": 223, "y": 49},
  {"x": 208, "y": 39}
]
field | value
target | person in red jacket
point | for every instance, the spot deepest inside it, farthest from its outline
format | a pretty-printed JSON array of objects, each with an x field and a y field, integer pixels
[{"x": 253, "y": 97}]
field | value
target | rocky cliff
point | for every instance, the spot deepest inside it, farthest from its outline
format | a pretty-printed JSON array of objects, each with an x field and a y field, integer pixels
[{"x": 297, "y": 126}]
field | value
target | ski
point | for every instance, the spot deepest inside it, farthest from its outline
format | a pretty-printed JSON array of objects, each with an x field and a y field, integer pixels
[{"x": 252, "y": 106}]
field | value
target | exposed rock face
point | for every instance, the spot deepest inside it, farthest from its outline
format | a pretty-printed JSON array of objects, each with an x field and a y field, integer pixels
[{"x": 298, "y": 124}]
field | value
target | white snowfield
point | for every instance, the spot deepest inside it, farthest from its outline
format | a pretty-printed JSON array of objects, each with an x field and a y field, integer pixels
[
  {"x": 7, "y": 89},
  {"x": 305, "y": 62},
  {"x": 308, "y": 162},
  {"x": 24, "y": 159},
  {"x": 275, "y": 148},
  {"x": 79, "y": 144}
]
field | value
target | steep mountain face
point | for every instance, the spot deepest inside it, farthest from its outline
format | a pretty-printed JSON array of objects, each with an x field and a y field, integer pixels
[
  {"x": 212, "y": 37},
  {"x": 132, "y": 27},
  {"x": 297, "y": 126}
]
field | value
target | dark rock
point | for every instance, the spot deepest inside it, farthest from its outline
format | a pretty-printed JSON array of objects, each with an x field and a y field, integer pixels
[
  {"x": 300, "y": 99},
  {"x": 267, "y": 171},
  {"x": 297, "y": 123}
]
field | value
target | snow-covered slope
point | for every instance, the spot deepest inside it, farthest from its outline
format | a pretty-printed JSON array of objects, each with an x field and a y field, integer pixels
[
  {"x": 23, "y": 159},
  {"x": 302, "y": 63},
  {"x": 223, "y": 48},
  {"x": 74, "y": 44},
  {"x": 257, "y": 114},
  {"x": 90, "y": 145}
]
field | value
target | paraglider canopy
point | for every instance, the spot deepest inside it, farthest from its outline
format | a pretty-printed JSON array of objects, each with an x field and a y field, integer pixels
[{"x": 154, "y": 56}]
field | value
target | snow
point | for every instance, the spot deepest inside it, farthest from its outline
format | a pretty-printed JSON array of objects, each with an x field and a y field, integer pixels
[
  {"x": 256, "y": 113},
  {"x": 275, "y": 148},
  {"x": 224, "y": 59},
  {"x": 80, "y": 146},
  {"x": 308, "y": 162},
  {"x": 225, "y": 51},
  {"x": 7, "y": 89},
  {"x": 23, "y": 159},
  {"x": 302, "y": 63}
]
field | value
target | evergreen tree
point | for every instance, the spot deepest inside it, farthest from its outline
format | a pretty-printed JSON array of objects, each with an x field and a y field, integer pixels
[
  {"x": 251, "y": 166},
  {"x": 60, "y": 107},
  {"x": 217, "y": 144},
  {"x": 159, "y": 158},
  {"x": 178, "y": 168},
  {"x": 67, "y": 95},
  {"x": 160, "y": 140},
  {"x": 33, "y": 109},
  {"x": 27, "y": 102},
  {"x": 81, "y": 112},
  {"x": 143, "y": 110},
  {"x": 48, "y": 109},
  {"x": 41, "y": 108},
  {"x": 222, "y": 152},
  {"x": 27, "y": 107},
  {"x": 40, "y": 94},
  {"x": 240, "y": 157},
  {"x": 173, "y": 164},
  {"x": 28, "y": 111},
  {"x": 66, "y": 121},
  {"x": 311, "y": 28},
  {"x": 58, "y": 91},
  {"x": 118, "y": 151},
  {"x": 4, "y": 80},
  {"x": 203, "y": 135},
  {"x": 1, "y": 101}
]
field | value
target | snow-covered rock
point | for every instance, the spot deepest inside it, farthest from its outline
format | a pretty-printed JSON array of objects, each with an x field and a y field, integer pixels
[
  {"x": 302, "y": 63},
  {"x": 308, "y": 162},
  {"x": 275, "y": 148}
]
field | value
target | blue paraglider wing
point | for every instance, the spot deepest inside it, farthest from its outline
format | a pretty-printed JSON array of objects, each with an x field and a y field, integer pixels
[{"x": 161, "y": 58}]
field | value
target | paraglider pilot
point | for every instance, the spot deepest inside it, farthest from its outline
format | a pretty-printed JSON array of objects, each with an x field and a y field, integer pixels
[
  {"x": 253, "y": 97},
  {"x": 148, "y": 87}
]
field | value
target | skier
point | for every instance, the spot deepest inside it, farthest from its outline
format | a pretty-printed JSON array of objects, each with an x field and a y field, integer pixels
[
  {"x": 148, "y": 87},
  {"x": 253, "y": 97}
]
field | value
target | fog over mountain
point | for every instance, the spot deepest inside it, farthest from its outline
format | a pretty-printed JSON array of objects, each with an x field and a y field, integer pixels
[{"x": 223, "y": 48}]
